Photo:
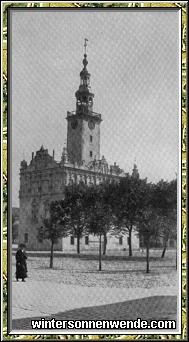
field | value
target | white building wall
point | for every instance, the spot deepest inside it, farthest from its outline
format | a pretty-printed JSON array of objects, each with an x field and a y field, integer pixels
[{"x": 113, "y": 243}]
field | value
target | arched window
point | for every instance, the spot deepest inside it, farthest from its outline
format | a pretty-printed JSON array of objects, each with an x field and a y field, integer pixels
[
  {"x": 85, "y": 99},
  {"x": 35, "y": 211}
]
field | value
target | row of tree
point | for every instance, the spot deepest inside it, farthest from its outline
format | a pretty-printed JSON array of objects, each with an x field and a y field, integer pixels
[{"x": 115, "y": 208}]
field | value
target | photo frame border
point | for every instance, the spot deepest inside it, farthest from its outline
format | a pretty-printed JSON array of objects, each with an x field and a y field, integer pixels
[{"x": 6, "y": 170}]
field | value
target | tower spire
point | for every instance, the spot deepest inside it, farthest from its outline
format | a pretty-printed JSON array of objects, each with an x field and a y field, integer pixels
[
  {"x": 84, "y": 74},
  {"x": 85, "y": 45},
  {"x": 84, "y": 96}
]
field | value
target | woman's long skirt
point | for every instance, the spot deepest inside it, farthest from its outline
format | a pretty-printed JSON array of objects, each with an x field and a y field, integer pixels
[{"x": 21, "y": 271}]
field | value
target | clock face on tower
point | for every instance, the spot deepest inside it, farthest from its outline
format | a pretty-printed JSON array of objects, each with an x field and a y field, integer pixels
[
  {"x": 91, "y": 124},
  {"x": 74, "y": 123}
]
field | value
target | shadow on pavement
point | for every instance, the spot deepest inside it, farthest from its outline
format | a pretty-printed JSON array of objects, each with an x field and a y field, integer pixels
[{"x": 150, "y": 308}]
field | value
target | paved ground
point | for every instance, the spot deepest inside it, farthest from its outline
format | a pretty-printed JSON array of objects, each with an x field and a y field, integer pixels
[
  {"x": 35, "y": 298},
  {"x": 117, "y": 272},
  {"x": 75, "y": 288},
  {"x": 150, "y": 308}
]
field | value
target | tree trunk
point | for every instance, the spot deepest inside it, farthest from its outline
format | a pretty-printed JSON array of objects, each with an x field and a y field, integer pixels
[
  {"x": 78, "y": 244},
  {"x": 51, "y": 256},
  {"x": 104, "y": 244},
  {"x": 100, "y": 253},
  {"x": 165, "y": 247},
  {"x": 164, "y": 250},
  {"x": 147, "y": 258},
  {"x": 130, "y": 242}
]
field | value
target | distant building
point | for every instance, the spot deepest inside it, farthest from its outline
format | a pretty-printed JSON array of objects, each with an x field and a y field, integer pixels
[
  {"x": 15, "y": 224},
  {"x": 44, "y": 179}
]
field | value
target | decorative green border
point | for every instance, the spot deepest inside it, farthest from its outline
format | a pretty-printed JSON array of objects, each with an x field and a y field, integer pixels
[{"x": 183, "y": 336}]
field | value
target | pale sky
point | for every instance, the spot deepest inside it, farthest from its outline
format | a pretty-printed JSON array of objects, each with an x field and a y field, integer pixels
[{"x": 134, "y": 65}]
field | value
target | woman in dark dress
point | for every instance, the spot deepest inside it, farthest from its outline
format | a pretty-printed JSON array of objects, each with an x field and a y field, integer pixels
[{"x": 21, "y": 265}]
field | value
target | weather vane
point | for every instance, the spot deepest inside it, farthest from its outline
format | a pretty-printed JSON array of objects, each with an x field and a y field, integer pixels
[{"x": 85, "y": 45}]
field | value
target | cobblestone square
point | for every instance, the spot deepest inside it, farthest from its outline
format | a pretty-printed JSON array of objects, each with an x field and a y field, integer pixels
[{"x": 76, "y": 283}]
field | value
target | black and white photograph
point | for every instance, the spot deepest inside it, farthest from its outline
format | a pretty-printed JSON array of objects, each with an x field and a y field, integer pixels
[{"x": 95, "y": 232}]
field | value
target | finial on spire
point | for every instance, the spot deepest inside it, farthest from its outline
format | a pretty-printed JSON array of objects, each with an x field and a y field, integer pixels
[
  {"x": 85, "y": 45},
  {"x": 135, "y": 173}
]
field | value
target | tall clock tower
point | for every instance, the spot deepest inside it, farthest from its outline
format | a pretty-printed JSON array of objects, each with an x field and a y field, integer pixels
[{"x": 83, "y": 125}]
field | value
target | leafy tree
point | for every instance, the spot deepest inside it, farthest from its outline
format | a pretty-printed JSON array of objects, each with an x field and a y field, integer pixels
[
  {"x": 75, "y": 200},
  {"x": 148, "y": 227},
  {"x": 55, "y": 225},
  {"x": 99, "y": 213},
  {"x": 106, "y": 195},
  {"x": 164, "y": 199},
  {"x": 169, "y": 229},
  {"x": 157, "y": 217},
  {"x": 127, "y": 203},
  {"x": 95, "y": 219}
]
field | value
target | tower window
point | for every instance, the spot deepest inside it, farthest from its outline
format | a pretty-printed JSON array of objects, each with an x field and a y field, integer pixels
[
  {"x": 34, "y": 211},
  {"x": 91, "y": 138},
  {"x": 91, "y": 153},
  {"x": 72, "y": 240},
  {"x": 26, "y": 237},
  {"x": 86, "y": 240}
]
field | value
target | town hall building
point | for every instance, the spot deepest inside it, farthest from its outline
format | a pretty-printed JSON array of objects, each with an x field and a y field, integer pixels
[{"x": 44, "y": 179}]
